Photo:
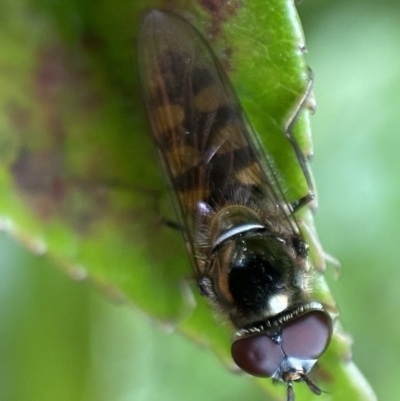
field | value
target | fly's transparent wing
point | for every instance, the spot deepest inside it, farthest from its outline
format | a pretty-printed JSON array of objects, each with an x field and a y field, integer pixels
[{"x": 210, "y": 155}]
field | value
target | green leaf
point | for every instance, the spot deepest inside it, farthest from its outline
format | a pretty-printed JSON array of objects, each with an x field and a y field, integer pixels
[{"x": 79, "y": 179}]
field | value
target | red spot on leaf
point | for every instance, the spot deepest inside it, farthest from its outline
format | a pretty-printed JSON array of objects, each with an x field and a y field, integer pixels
[{"x": 221, "y": 11}]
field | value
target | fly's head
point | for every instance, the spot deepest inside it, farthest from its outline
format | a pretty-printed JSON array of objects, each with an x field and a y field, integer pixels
[{"x": 285, "y": 347}]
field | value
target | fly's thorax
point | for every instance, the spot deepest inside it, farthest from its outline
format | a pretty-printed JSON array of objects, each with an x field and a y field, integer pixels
[{"x": 254, "y": 273}]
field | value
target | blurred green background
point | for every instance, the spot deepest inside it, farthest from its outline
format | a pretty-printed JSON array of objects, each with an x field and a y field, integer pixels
[{"x": 60, "y": 339}]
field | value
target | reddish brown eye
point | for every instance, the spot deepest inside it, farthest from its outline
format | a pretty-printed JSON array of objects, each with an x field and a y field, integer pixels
[
  {"x": 257, "y": 355},
  {"x": 308, "y": 336}
]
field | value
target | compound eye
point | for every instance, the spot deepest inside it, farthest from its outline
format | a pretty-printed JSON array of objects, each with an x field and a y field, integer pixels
[
  {"x": 307, "y": 336},
  {"x": 257, "y": 355}
]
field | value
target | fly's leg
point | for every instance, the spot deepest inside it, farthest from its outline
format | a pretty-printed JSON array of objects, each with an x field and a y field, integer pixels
[
  {"x": 153, "y": 198},
  {"x": 310, "y": 196},
  {"x": 164, "y": 221},
  {"x": 171, "y": 224}
]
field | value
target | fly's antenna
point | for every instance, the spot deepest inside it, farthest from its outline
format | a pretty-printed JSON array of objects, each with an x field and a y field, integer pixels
[
  {"x": 290, "y": 391},
  {"x": 312, "y": 386}
]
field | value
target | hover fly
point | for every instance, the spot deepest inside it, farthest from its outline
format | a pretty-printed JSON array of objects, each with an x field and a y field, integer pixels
[{"x": 249, "y": 257}]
